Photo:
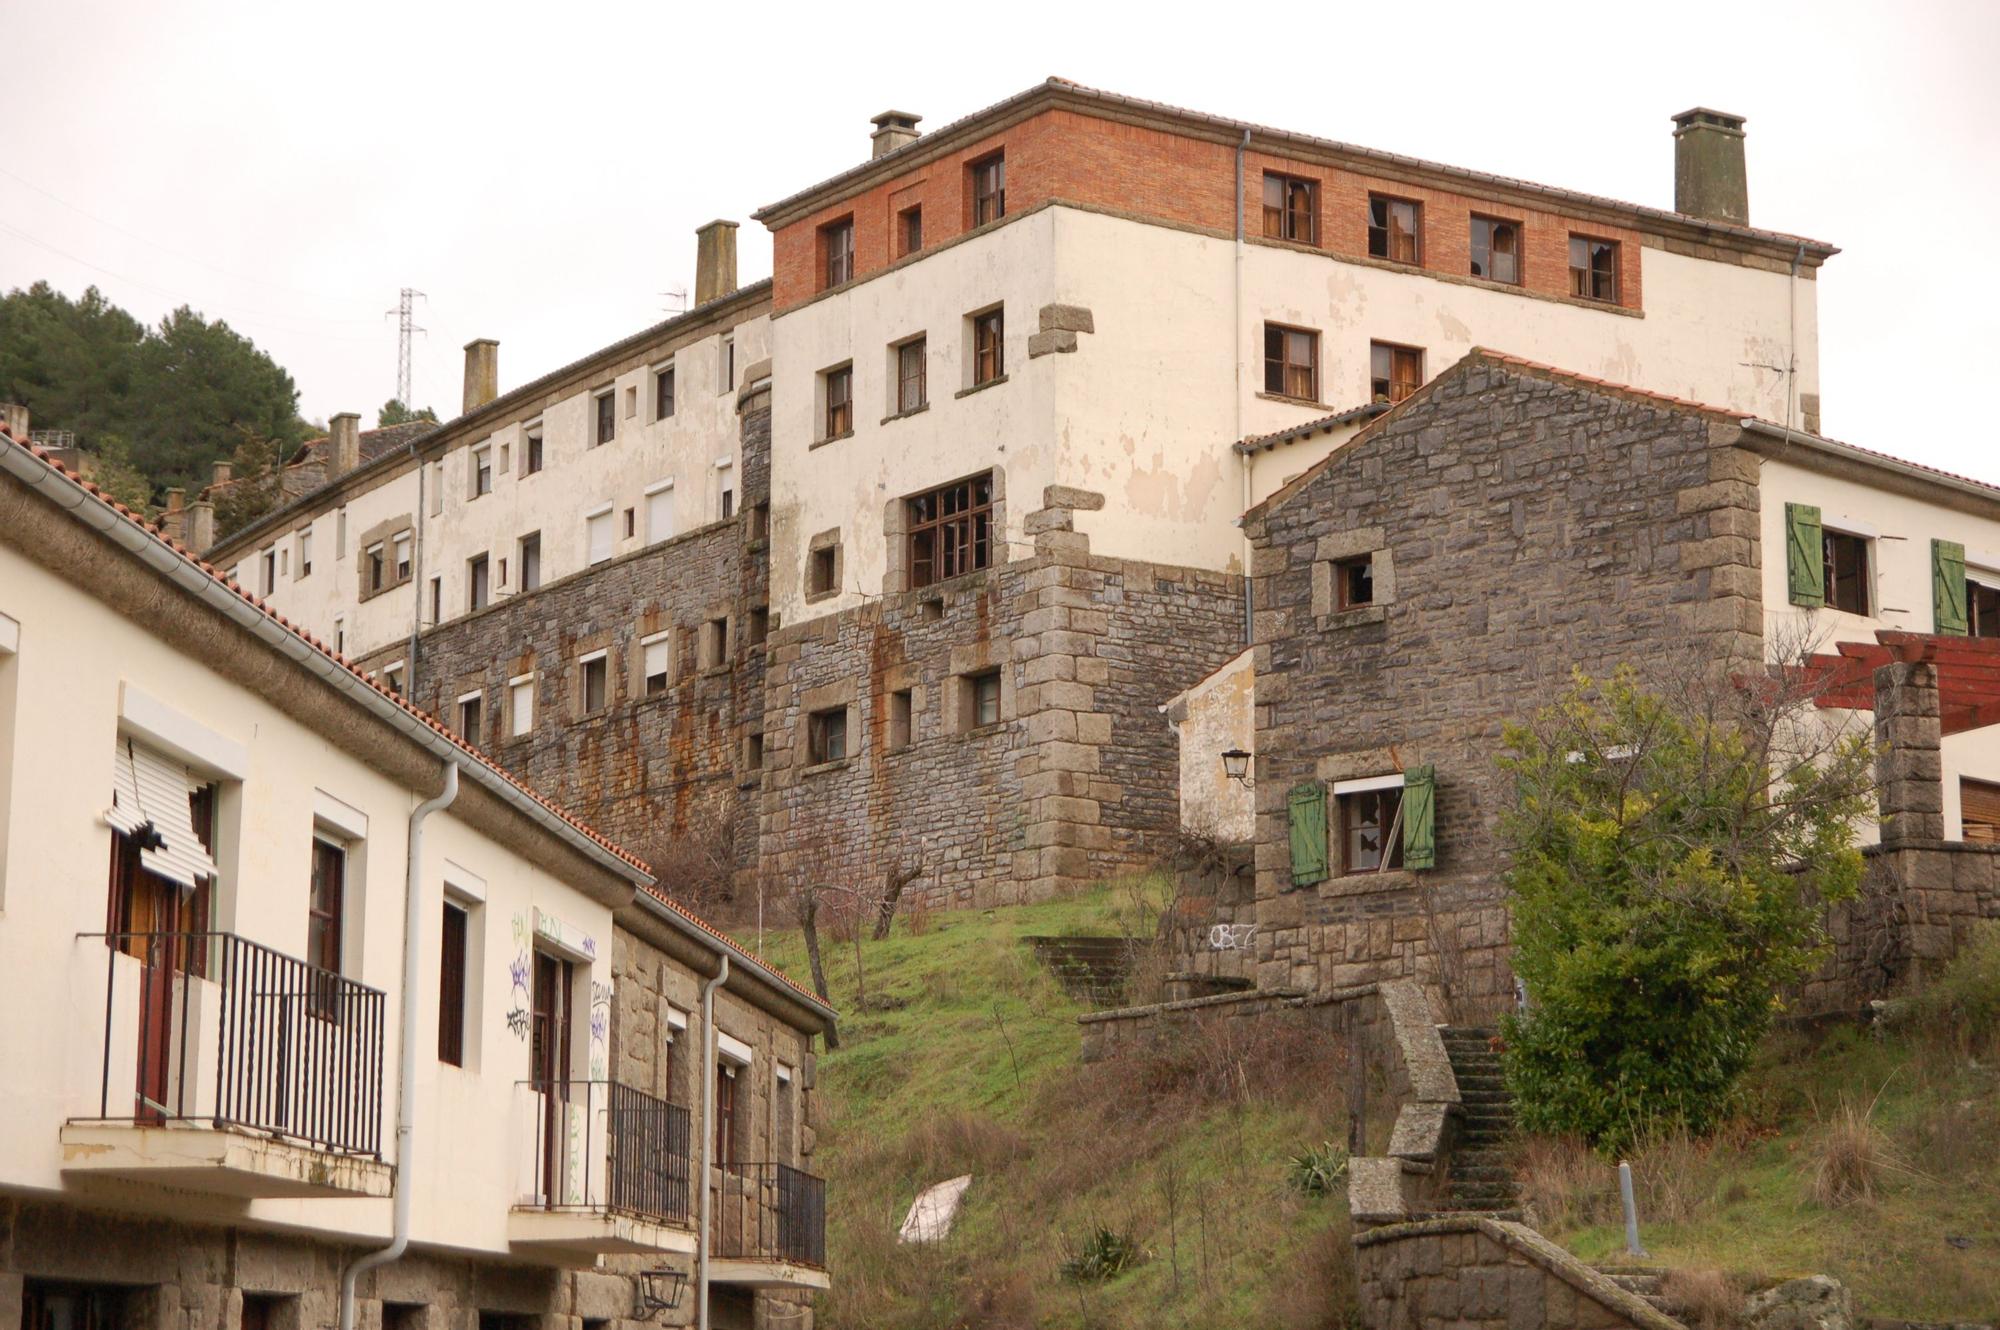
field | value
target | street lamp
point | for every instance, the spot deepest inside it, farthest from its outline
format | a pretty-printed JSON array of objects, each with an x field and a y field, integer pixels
[
  {"x": 659, "y": 1290},
  {"x": 1236, "y": 766}
]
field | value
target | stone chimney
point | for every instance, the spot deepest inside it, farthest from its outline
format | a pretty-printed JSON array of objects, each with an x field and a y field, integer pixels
[
  {"x": 176, "y": 500},
  {"x": 1909, "y": 766},
  {"x": 482, "y": 373},
  {"x": 1709, "y": 179},
  {"x": 714, "y": 261},
  {"x": 15, "y": 417},
  {"x": 343, "y": 444},
  {"x": 224, "y": 473},
  {"x": 892, "y": 130},
  {"x": 200, "y": 532}
]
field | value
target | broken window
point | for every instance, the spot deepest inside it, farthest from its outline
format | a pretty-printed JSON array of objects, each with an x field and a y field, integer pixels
[{"x": 951, "y": 530}]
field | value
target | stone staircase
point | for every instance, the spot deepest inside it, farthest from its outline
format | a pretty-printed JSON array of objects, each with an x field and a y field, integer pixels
[
  {"x": 1480, "y": 1179},
  {"x": 1091, "y": 969},
  {"x": 1640, "y": 1280}
]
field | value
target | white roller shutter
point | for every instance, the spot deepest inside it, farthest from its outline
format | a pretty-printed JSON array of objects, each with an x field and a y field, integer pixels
[{"x": 148, "y": 786}]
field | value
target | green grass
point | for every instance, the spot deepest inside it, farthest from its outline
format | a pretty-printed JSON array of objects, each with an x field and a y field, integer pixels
[
  {"x": 1744, "y": 1203},
  {"x": 964, "y": 1058}
]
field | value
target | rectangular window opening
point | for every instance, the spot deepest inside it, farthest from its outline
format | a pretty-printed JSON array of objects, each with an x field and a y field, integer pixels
[
  {"x": 826, "y": 736},
  {"x": 1291, "y": 208},
  {"x": 1291, "y": 362},
  {"x": 1496, "y": 249},
  {"x": 1394, "y": 372},
  {"x": 1593, "y": 269},
  {"x": 951, "y": 530},
  {"x": 1366, "y": 820}
]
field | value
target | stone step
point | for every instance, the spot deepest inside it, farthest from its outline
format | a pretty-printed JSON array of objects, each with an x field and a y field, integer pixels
[
  {"x": 1464, "y": 1172},
  {"x": 1641, "y": 1282},
  {"x": 1478, "y": 1156},
  {"x": 1485, "y": 1194}
]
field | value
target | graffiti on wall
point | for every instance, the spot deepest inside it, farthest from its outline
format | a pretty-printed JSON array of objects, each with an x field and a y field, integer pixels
[
  {"x": 600, "y": 1030},
  {"x": 517, "y": 972}
]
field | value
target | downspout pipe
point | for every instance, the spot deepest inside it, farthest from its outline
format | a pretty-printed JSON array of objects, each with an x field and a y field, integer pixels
[
  {"x": 417, "y": 582},
  {"x": 708, "y": 1046},
  {"x": 1236, "y": 354},
  {"x": 406, "y": 1076}
]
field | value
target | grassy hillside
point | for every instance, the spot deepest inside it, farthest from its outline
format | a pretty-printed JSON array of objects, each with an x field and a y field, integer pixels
[
  {"x": 1872, "y": 1156},
  {"x": 963, "y": 1059}
]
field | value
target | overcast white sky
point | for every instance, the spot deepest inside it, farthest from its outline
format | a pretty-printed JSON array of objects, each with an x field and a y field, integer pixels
[{"x": 538, "y": 170}]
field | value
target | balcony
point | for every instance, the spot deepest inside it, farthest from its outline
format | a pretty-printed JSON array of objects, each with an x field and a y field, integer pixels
[
  {"x": 230, "y": 1069},
  {"x": 769, "y": 1228},
  {"x": 602, "y": 1169}
]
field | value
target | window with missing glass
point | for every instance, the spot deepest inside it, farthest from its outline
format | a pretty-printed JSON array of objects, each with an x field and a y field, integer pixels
[
  {"x": 989, "y": 189},
  {"x": 950, "y": 530},
  {"x": 837, "y": 245},
  {"x": 911, "y": 390},
  {"x": 1393, "y": 229},
  {"x": 1496, "y": 249},
  {"x": 909, "y": 231},
  {"x": 989, "y": 359},
  {"x": 1291, "y": 208},
  {"x": 1354, "y": 582},
  {"x": 839, "y": 384},
  {"x": 607, "y": 418},
  {"x": 1846, "y": 560},
  {"x": 663, "y": 394},
  {"x": 1394, "y": 371},
  {"x": 1291, "y": 362},
  {"x": 1593, "y": 268},
  {"x": 826, "y": 736},
  {"x": 1367, "y": 824}
]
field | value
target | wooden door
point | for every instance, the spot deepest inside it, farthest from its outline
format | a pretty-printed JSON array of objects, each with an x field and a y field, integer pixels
[
  {"x": 145, "y": 913},
  {"x": 549, "y": 1052}
]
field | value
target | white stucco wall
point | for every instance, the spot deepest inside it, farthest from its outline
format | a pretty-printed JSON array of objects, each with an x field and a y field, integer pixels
[
  {"x": 577, "y": 477},
  {"x": 1146, "y": 410},
  {"x": 76, "y": 660}
]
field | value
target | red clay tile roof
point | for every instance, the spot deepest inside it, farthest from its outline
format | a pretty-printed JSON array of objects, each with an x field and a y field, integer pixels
[{"x": 630, "y": 860}]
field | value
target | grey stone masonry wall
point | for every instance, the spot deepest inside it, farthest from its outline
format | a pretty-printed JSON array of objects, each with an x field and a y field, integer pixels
[
  {"x": 1077, "y": 781},
  {"x": 663, "y": 775},
  {"x": 1522, "y": 526}
]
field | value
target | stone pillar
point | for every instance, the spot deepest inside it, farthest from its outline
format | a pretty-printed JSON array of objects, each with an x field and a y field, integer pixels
[
  {"x": 482, "y": 373},
  {"x": 1910, "y": 766},
  {"x": 714, "y": 261},
  {"x": 1709, "y": 178}
]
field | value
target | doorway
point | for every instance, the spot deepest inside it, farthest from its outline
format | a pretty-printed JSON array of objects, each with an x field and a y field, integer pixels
[{"x": 549, "y": 1053}]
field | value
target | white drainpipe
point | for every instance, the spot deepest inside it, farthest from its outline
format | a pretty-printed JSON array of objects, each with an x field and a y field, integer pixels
[
  {"x": 406, "y": 1093},
  {"x": 707, "y": 1138}
]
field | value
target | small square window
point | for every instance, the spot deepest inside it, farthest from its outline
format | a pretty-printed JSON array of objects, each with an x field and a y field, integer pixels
[
  {"x": 1291, "y": 209},
  {"x": 826, "y": 736},
  {"x": 1395, "y": 229},
  {"x": 1394, "y": 372},
  {"x": 901, "y": 719},
  {"x": 1291, "y": 362},
  {"x": 820, "y": 572},
  {"x": 1367, "y": 818},
  {"x": 596, "y": 684},
  {"x": 1593, "y": 269},
  {"x": 989, "y": 346},
  {"x": 909, "y": 231},
  {"x": 1354, "y": 582}
]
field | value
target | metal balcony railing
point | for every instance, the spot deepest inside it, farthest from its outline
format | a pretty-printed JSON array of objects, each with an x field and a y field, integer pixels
[
  {"x": 770, "y": 1212},
  {"x": 211, "y": 1027},
  {"x": 602, "y": 1147}
]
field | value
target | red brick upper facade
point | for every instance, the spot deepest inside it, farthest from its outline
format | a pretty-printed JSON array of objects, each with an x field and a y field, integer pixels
[{"x": 1158, "y": 165}]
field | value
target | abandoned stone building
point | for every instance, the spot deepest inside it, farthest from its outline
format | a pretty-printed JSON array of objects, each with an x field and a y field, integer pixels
[
  {"x": 887, "y": 566},
  {"x": 1445, "y": 571}
]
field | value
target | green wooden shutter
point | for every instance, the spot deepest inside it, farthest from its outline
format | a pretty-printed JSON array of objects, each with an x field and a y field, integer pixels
[
  {"x": 1948, "y": 586},
  {"x": 1308, "y": 805},
  {"x": 1420, "y": 817},
  {"x": 1805, "y": 556}
]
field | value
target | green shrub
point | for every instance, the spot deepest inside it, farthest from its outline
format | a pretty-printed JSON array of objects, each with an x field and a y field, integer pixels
[
  {"x": 1961, "y": 1006},
  {"x": 1104, "y": 1254},
  {"x": 1320, "y": 1171},
  {"x": 1671, "y": 857}
]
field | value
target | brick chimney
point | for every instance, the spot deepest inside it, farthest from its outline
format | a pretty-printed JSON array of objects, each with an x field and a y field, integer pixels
[
  {"x": 1909, "y": 766},
  {"x": 15, "y": 417},
  {"x": 482, "y": 373},
  {"x": 343, "y": 444},
  {"x": 714, "y": 261},
  {"x": 892, "y": 130},
  {"x": 1709, "y": 179}
]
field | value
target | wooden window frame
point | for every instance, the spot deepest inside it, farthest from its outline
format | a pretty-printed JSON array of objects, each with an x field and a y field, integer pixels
[
  {"x": 1855, "y": 585},
  {"x": 326, "y": 920},
  {"x": 596, "y": 666},
  {"x": 1583, "y": 280},
  {"x": 1405, "y": 365},
  {"x": 1383, "y": 803},
  {"x": 912, "y": 389},
  {"x": 980, "y": 690},
  {"x": 910, "y": 230},
  {"x": 826, "y": 732},
  {"x": 1354, "y": 582},
  {"x": 455, "y": 927},
  {"x": 1475, "y": 247},
  {"x": 836, "y": 248},
  {"x": 1285, "y": 218},
  {"x": 1982, "y": 605},
  {"x": 605, "y": 405},
  {"x": 950, "y": 530},
  {"x": 987, "y": 191},
  {"x": 482, "y": 471},
  {"x": 1386, "y": 233},
  {"x": 665, "y": 675},
  {"x": 1279, "y": 367},
  {"x": 989, "y": 346},
  {"x": 838, "y": 389},
  {"x": 401, "y": 546}
]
